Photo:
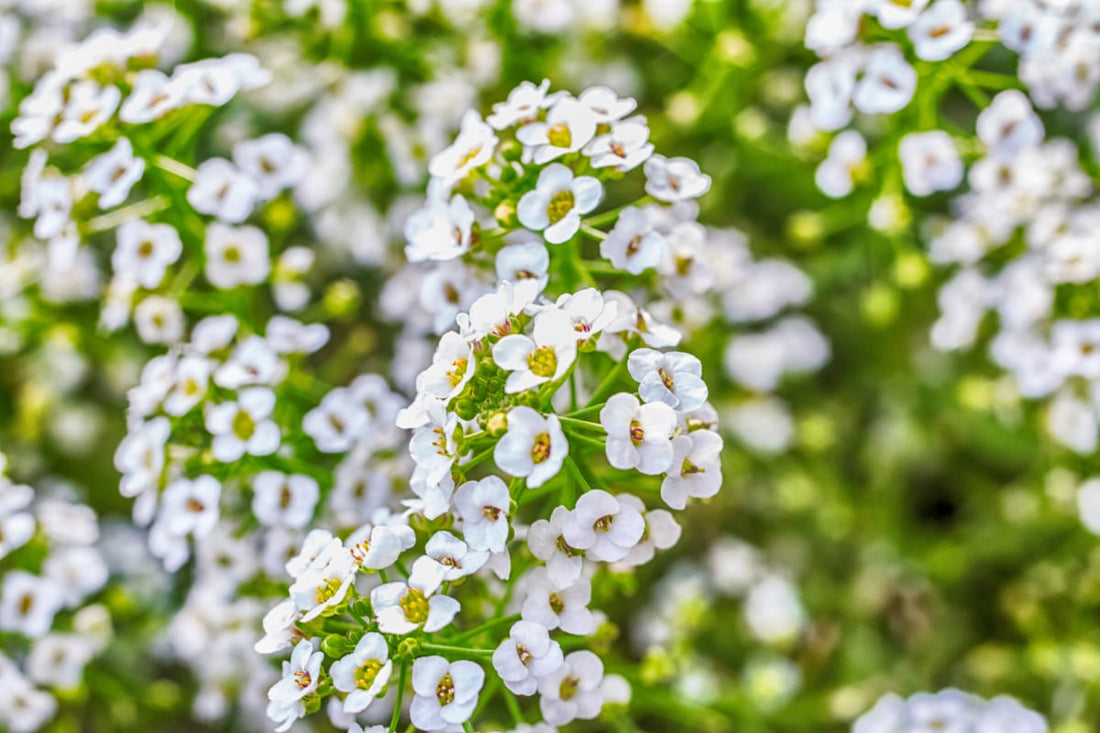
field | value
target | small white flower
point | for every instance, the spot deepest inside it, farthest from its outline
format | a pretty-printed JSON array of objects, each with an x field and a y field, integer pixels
[
  {"x": 696, "y": 469},
  {"x": 589, "y": 312},
  {"x": 1009, "y": 125},
  {"x": 547, "y": 542},
  {"x": 401, "y": 608},
  {"x": 377, "y": 547},
  {"x": 941, "y": 31},
  {"x": 191, "y": 505},
  {"x": 673, "y": 378},
  {"x": 556, "y": 204},
  {"x": 524, "y": 261},
  {"x": 569, "y": 126},
  {"x": 483, "y": 506},
  {"x": 446, "y": 692},
  {"x": 524, "y": 104},
  {"x": 837, "y": 174},
  {"x": 473, "y": 148},
  {"x": 58, "y": 660},
  {"x": 527, "y": 655},
  {"x": 930, "y": 162},
  {"x": 243, "y": 426},
  {"x": 88, "y": 107},
  {"x": 573, "y": 690},
  {"x": 605, "y": 528},
  {"x": 152, "y": 96},
  {"x": 625, "y": 147},
  {"x": 273, "y": 162},
  {"x": 492, "y": 313},
  {"x": 280, "y": 631},
  {"x": 533, "y": 448},
  {"x": 440, "y": 230},
  {"x": 114, "y": 173},
  {"x": 236, "y": 256},
  {"x": 253, "y": 361},
  {"x": 337, "y": 423},
  {"x": 661, "y": 532},
  {"x": 895, "y": 14},
  {"x": 888, "y": 82},
  {"x": 453, "y": 365},
  {"x": 144, "y": 251},
  {"x": 554, "y": 606},
  {"x": 773, "y": 611},
  {"x": 364, "y": 673},
  {"x": 543, "y": 357},
  {"x": 455, "y": 558},
  {"x": 301, "y": 676},
  {"x": 325, "y": 582},
  {"x": 634, "y": 244},
  {"x": 282, "y": 500},
  {"x": 28, "y": 603},
  {"x": 674, "y": 179},
  {"x": 223, "y": 191},
  {"x": 140, "y": 456},
  {"x": 638, "y": 436},
  {"x": 159, "y": 320}
]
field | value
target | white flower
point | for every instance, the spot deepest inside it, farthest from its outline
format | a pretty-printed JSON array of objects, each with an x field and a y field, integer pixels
[
  {"x": 159, "y": 320},
  {"x": 301, "y": 676},
  {"x": 453, "y": 365},
  {"x": 337, "y": 423},
  {"x": 473, "y": 148},
  {"x": 589, "y": 312},
  {"x": 638, "y": 436},
  {"x": 696, "y": 469},
  {"x": 401, "y": 608},
  {"x": 605, "y": 528},
  {"x": 282, "y": 500},
  {"x": 273, "y": 162},
  {"x": 79, "y": 571},
  {"x": 446, "y": 692},
  {"x": 140, "y": 456},
  {"x": 525, "y": 656},
  {"x": 236, "y": 256},
  {"x": 325, "y": 582},
  {"x": 573, "y": 690},
  {"x": 625, "y": 147},
  {"x": 483, "y": 506},
  {"x": 523, "y": 104},
  {"x": 191, "y": 505},
  {"x": 153, "y": 95},
  {"x": 888, "y": 82},
  {"x": 280, "y": 631},
  {"x": 898, "y": 13},
  {"x": 569, "y": 126},
  {"x": 144, "y": 251},
  {"x": 673, "y": 378},
  {"x": 544, "y": 357},
  {"x": 455, "y": 558},
  {"x": 491, "y": 314},
  {"x": 223, "y": 191},
  {"x": 253, "y": 361},
  {"x": 930, "y": 162},
  {"x": 674, "y": 179},
  {"x": 661, "y": 532},
  {"x": 377, "y": 547},
  {"x": 363, "y": 673},
  {"x": 837, "y": 174},
  {"x": 524, "y": 261},
  {"x": 440, "y": 230},
  {"x": 547, "y": 542},
  {"x": 941, "y": 31},
  {"x": 58, "y": 660},
  {"x": 554, "y": 606},
  {"x": 773, "y": 611},
  {"x": 88, "y": 107},
  {"x": 28, "y": 603},
  {"x": 1009, "y": 125},
  {"x": 556, "y": 204},
  {"x": 114, "y": 173},
  {"x": 16, "y": 529},
  {"x": 533, "y": 448},
  {"x": 634, "y": 244},
  {"x": 243, "y": 426}
]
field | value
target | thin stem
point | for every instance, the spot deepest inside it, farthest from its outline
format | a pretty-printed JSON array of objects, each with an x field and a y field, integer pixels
[
  {"x": 458, "y": 650},
  {"x": 593, "y": 232},
  {"x": 608, "y": 384},
  {"x": 466, "y": 635},
  {"x": 396, "y": 717},
  {"x": 585, "y": 440},
  {"x": 513, "y": 707},
  {"x": 609, "y": 216},
  {"x": 478, "y": 458},
  {"x": 584, "y": 411},
  {"x": 137, "y": 210},
  {"x": 175, "y": 167},
  {"x": 581, "y": 424},
  {"x": 575, "y": 471}
]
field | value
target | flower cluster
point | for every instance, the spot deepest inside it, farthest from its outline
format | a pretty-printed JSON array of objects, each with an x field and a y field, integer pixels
[
  {"x": 50, "y": 569},
  {"x": 948, "y": 710}
]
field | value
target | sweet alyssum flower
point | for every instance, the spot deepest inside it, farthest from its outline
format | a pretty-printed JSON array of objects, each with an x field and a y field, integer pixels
[
  {"x": 569, "y": 126},
  {"x": 364, "y": 673},
  {"x": 144, "y": 251},
  {"x": 558, "y": 201},
  {"x": 543, "y": 357},
  {"x": 301, "y": 675},
  {"x": 404, "y": 607},
  {"x": 696, "y": 469},
  {"x": 483, "y": 506},
  {"x": 282, "y": 500},
  {"x": 673, "y": 378},
  {"x": 554, "y": 606},
  {"x": 446, "y": 692},
  {"x": 573, "y": 690},
  {"x": 604, "y": 527},
  {"x": 236, "y": 256},
  {"x": 114, "y": 173},
  {"x": 547, "y": 542},
  {"x": 191, "y": 506},
  {"x": 638, "y": 436},
  {"x": 244, "y": 426},
  {"x": 634, "y": 244},
  {"x": 525, "y": 656},
  {"x": 534, "y": 447},
  {"x": 674, "y": 179},
  {"x": 455, "y": 558},
  {"x": 440, "y": 231}
]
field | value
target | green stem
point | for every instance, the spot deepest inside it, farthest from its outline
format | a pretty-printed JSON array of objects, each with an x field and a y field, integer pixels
[
  {"x": 594, "y": 233},
  {"x": 136, "y": 210},
  {"x": 607, "y": 386},
  {"x": 477, "y": 630},
  {"x": 581, "y": 424},
  {"x": 584, "y": 411},
  {"x": 609, "y": 216},
  {"x": 478, "y": 458},
  {"x": 175, "y": 167},
  {"x": 575, "y": 471},
  {"x": 513, "y": 707},
  {"x": 396, "y": 717},
  {"x": 575, "y": 438},
  {"x": 458, "y": 650}
]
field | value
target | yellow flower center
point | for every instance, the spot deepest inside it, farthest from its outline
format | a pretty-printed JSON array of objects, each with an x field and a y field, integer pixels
[
  {"x": 327, "y": 590},
  {"x": 666, "y": 378},
  {"x": 637, "y": 434},
  {"x": 544, "y": 362},
  {"x": 569, "y": 687},
  {"x": 303, "y": 679},
  {"x": 540, "y": 450},
  {"x": 415, "y": 606},
  {"x": 560, "y": 135},
  {"x": 561, "y": 204},
  {"x": 243, "y": 425},
  {"x": 445, "y": 690},
  {"x": 366, "y": 674},
  {"x": 457, "y": 371}
]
